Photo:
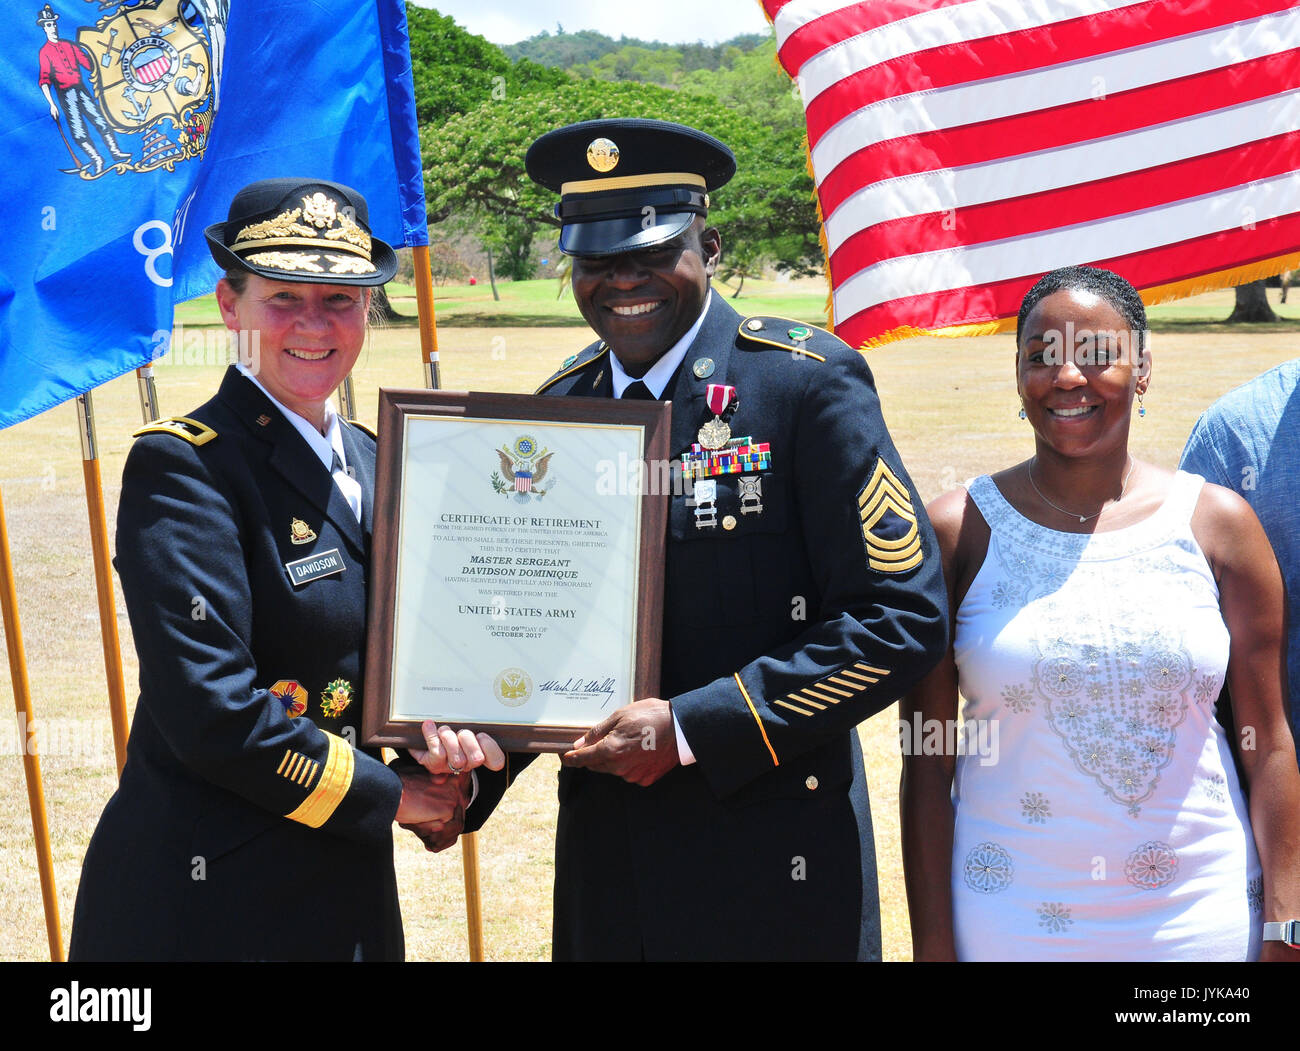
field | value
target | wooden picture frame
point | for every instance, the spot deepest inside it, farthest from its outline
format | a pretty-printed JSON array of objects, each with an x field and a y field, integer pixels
[{"x": 517, "y": 565}]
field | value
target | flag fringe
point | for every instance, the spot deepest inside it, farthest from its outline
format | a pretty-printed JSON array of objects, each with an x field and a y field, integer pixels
[
  {"x": 1238, "y": 275},
  {"x": 980, "y": 328},
  {"x": 821, "y": 237},
  {"x": 1153, "y": 296}
]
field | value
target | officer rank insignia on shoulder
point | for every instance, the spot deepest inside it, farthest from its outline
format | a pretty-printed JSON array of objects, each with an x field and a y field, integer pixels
[
  {"x": 182, "y": 427},
  {"x": 888, "y": 522},
  {"x": 785, "y": 333}
]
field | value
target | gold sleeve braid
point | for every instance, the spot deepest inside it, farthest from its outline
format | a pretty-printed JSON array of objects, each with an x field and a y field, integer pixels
[{"x": 335, "y": 780}]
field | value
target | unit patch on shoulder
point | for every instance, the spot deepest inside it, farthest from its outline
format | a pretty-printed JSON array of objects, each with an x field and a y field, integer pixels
[
  {"x": 888, "y": 523},
  {"x": 182, "y": 427}
]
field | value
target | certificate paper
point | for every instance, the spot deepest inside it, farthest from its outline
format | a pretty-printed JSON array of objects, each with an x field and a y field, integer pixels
[{"x": 518, "y": 554}]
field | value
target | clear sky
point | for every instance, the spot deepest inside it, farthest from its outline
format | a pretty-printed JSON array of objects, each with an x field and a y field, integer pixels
[{"x": 672, "y": 21}]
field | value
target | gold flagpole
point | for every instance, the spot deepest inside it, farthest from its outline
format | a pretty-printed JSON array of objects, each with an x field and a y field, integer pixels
[
  {"x": 27, "y": 741},
  {"x": 428, "y": 319},
  {"x": 433, "y": 380},
  {"x": 103, "y": 575}
]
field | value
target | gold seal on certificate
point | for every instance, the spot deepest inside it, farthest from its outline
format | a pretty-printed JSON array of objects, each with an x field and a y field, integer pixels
[
  {"x": 517, "y": 571},
  {"x": 513, "y": 687}
]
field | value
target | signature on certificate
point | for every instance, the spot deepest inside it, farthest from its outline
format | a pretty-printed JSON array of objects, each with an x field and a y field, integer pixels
[{"x": 578, "y": 686}]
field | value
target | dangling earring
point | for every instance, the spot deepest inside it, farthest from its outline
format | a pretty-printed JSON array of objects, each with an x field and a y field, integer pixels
[
  {"x": 1022, "y": 411},
  {"x": 1142, "y": 409}
]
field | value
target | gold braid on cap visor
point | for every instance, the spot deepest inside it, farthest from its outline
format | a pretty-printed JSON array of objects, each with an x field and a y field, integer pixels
[{"x": 318, "y": 224}]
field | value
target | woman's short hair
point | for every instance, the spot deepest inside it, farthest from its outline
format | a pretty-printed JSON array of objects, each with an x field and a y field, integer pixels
[{"x": 1106, "y": 284}]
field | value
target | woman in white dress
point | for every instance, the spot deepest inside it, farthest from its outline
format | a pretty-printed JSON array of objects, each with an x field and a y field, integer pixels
[{"x": 1098, "y": 604}]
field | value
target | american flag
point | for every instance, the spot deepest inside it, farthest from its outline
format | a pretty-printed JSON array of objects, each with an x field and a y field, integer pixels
[
  {"x": 524, "y": 482},
  {"x": 963, "y": 148}
]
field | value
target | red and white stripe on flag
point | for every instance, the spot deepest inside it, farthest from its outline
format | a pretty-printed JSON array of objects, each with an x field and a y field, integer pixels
[{"x": 963, "y": 148}]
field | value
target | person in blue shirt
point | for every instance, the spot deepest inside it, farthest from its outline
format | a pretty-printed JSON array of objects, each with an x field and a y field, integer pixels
[{"x": 1249, "y": 441}]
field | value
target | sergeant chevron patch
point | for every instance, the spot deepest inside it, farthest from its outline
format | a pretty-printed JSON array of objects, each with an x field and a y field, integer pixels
[
  {"x": 843, "y": 685},
  {"x": 884, "y": 498}
]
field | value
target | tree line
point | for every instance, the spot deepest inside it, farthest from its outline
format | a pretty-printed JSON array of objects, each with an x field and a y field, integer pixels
[{"x": 479, "y": 109}]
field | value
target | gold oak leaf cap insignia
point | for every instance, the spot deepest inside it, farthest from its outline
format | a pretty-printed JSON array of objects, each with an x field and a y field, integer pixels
[
  {"x": 301, "y": 230},
  {"x": 888, "y": 522}
]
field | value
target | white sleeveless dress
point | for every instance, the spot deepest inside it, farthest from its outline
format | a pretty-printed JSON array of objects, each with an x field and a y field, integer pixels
[{"x": 1098, "y": 812}]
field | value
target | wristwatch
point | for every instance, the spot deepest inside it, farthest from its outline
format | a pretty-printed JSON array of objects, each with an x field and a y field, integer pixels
[{"x": 1287, "y": 931}]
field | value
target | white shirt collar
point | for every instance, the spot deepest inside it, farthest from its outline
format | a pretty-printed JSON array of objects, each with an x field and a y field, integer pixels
[
  {"x": 323, "y": 445},
  {"x": 657, "y": 376}
]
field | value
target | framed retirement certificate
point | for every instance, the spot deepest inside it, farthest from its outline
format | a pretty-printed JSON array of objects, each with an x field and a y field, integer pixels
[{"x": 517, "y": 566}]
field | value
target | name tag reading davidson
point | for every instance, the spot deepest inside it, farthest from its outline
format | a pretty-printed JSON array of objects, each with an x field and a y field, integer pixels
[{"x": 305, "y": 570}]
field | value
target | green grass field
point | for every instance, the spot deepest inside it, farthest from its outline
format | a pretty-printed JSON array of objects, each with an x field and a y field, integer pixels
[
  {"x": 950, "y": 405},
  {"x": 536, "y": 304}
]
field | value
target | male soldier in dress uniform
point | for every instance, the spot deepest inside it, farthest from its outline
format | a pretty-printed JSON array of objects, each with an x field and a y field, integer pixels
[{"x": 803, "y": 589}]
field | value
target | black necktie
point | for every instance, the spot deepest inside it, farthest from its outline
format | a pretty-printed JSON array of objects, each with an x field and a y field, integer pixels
[{"x": 637, "y": 391}]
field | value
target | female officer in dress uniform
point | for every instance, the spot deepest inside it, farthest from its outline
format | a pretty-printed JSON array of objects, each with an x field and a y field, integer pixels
[{"x": 247, "y": 824}]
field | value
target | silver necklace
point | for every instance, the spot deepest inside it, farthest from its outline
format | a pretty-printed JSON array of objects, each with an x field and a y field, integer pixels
[{"x": 1075, "y": 514}]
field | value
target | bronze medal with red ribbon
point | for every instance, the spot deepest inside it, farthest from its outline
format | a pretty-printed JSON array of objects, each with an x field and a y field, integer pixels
[{"x": 721, "y": 399}]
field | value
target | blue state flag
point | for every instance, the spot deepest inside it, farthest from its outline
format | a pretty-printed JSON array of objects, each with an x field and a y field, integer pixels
[{"x": 130, "y": 125}]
